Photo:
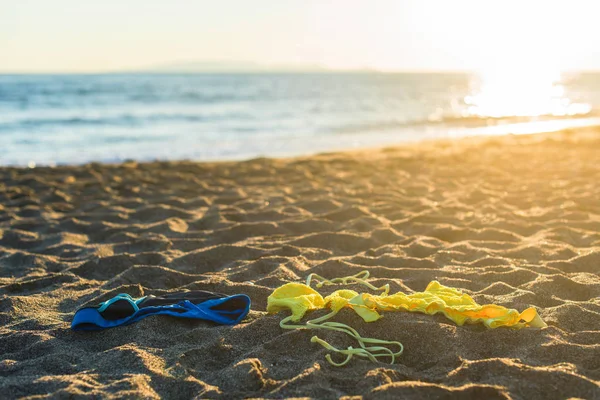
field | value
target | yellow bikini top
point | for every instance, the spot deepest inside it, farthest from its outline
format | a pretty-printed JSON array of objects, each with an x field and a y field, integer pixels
[{"x": 437, "y": 298}]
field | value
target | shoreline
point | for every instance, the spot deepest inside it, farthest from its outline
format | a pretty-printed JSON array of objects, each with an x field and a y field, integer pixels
[
  {"x": 383, "y": 141},
  {"x": 512, "y": 220}
]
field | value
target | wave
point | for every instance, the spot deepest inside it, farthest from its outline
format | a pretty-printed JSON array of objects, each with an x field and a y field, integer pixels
[
  {"x": 387, "y": 125},
  {"x": 19, "y": 124}
]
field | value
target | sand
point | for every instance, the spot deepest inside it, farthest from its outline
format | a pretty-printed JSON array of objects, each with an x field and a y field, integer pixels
[{"x": 512, "y": 220}]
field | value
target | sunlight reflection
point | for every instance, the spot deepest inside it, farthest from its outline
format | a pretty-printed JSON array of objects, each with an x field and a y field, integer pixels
[{"x": 505, "y": 93}]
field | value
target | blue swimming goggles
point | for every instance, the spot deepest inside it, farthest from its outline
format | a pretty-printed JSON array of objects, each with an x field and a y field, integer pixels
[{"x": 197, "y": 304}]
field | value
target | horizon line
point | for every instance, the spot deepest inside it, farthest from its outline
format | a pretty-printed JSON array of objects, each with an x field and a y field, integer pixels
[{"x": 225, "y": 71}]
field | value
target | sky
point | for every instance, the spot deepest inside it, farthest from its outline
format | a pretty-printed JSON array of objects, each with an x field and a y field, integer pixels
[{"x": 396, "y": 35}]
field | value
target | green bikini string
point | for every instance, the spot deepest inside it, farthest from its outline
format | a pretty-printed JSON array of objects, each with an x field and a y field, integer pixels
[
  {"x": 370, "y": 352},
  {"x": 346, "y": 280}
]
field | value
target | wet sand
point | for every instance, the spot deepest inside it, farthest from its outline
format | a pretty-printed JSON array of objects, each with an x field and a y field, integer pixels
[{"x": 512, "y": 220}]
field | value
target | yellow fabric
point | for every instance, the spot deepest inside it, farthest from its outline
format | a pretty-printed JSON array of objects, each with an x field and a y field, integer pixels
[
  {"x": 437, "y": 298},
  {"x": 454, "y": 304},
  {"x": 296, "y": 297}
]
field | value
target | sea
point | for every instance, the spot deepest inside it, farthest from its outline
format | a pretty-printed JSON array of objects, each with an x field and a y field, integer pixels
[{"x": 76, "y": 119}]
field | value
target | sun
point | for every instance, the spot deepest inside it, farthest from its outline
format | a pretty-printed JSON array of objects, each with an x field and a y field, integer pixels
[{"x": 521, "y": 91}]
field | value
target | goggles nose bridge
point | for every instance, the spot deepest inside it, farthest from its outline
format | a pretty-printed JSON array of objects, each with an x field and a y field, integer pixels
[{"x": 120, "y": 306}]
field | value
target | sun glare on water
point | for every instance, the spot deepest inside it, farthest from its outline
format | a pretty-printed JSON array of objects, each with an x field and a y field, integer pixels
[{"x": 521, "y": 93}]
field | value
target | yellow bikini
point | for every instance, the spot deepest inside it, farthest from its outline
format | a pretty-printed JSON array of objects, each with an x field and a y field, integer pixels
[{"x": 437, "y": 298}]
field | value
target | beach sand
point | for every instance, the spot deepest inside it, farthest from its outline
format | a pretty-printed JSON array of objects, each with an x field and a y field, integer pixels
[{"x": 512, "y": 220}]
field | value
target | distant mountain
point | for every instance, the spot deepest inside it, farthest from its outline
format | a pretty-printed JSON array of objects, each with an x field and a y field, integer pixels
[{"x": 230, "y": 66}]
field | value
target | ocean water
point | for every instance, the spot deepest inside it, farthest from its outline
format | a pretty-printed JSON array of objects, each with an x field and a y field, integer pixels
[{"x": 74, "y": 119}]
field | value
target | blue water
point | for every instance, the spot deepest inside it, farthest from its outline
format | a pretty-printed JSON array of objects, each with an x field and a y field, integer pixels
[{"x": 73, "y": 119}]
